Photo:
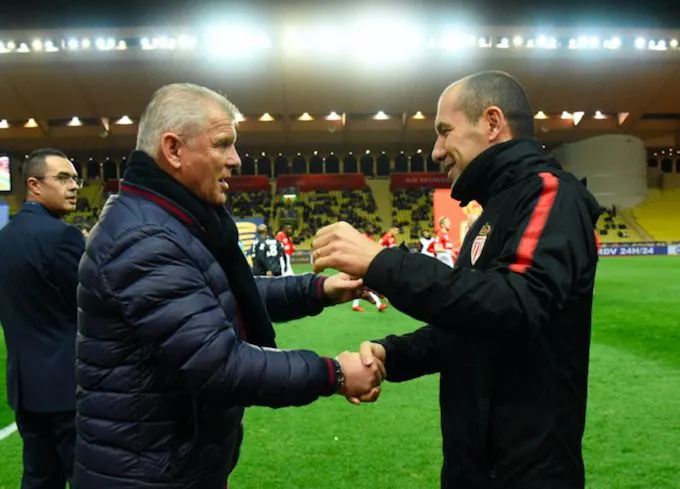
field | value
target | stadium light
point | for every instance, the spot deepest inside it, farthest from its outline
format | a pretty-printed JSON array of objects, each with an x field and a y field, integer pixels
[
  {"x": 186, "y": 42},
  {"x": 573, "y": 44},
  {"x": 30, "y": 124},
  {"x": 640, "y": 43},
  {"x": 86, "y": 44},
  {"x": 23, "y": 48},
  {"x": 240, "y": 117},
  {"x": 504, "y": 43},
  {"x": 540, "y": 115},
  {"x": 122, "y": 46},
  {"x": 4, "y": 124},
  {"x": 305, "y": 117},
  {"x": 599, "y": 115},
  {"x": 75, "y": 122},
  {"x": 333, "y": 116},
  {"x": 381, "y": 116},
  {"x": 235, "y": 40},
  {"x": 124, "y": 121},
  {"x": 146, "y": 43},
  {"x": 613, "y": 43},
  {"x": 577, "y": 116},
  {"x": 50, "y": 47},
  {"x": 72, "y": 44},
  {"x": 3, "y": 49},
  {"x": 517, "y": 41},
  {"x": 37, "y": 45},
  {"x": 266, "y": 117},
  {"x": 566, "y": 115},
  {"x": 418, "y": 116},
  {"x": 673, "y": 44}
]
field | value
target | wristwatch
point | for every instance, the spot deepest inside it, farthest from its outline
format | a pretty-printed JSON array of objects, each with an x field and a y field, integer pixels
[{"x": 339, "y": 376}]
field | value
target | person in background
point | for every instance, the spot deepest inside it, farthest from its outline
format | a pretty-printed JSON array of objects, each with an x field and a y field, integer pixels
[
  {"x": 268, "y": 254},
  {"x": 370, "y": 296},
  {"x": 175, "y": 335},
  {"x": 38, "y": 312},
  {"x": 443, "y": 246},
  {"x": 284, "y": 237},
  {"x": 389, "y": 239},
  {"x": 427, "y": 243}
]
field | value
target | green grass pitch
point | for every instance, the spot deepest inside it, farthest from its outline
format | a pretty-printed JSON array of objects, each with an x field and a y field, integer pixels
[{"x": 633, "y": 430}]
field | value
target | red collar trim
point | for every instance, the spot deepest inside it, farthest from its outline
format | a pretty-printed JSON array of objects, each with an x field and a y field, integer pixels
[{"x": 166, "y": 204}]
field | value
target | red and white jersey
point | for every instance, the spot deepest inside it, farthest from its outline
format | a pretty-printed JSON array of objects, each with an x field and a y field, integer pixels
[
  {"x": 388, "y": 241},
  {"x": 286, "y": 242},
  {"x": 444, "y": 241},
  {"x": 427, "y": 246}
]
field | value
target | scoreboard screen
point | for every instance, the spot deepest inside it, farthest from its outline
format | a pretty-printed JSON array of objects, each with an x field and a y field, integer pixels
[{"x": 5, "y": 175}]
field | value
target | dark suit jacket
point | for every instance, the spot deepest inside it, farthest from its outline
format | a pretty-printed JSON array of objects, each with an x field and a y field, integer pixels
[{"x": 39, "y": 256}]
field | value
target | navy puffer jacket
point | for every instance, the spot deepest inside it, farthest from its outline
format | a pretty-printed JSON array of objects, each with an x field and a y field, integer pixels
[{"x": 162, "y": 374}]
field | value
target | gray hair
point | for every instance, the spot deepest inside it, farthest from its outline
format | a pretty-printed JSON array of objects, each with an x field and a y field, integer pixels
[{"x": 180, "y": 108}]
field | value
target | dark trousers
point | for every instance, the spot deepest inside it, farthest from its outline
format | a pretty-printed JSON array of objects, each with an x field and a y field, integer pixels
[{"x": 49, "y": 448}]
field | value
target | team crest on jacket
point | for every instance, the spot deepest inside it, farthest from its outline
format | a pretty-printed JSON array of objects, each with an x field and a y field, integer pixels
[{"x": 479, "y": 242}]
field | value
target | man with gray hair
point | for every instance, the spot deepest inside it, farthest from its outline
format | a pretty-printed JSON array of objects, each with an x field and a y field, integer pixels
[{"x": 174, "y": 333}]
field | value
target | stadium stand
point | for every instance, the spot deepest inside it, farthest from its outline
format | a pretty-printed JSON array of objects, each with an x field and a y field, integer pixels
[
  {"x": 320, "y": 208},
  {"x": 658, "y": 214},
  {"x": 412, "y": 211},
  {"x": 613, "y": 228},
  {"x": 250, "y": 204}
]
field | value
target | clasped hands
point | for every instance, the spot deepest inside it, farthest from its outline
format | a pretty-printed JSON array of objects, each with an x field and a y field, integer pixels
[{"x": 364, "y": 372}]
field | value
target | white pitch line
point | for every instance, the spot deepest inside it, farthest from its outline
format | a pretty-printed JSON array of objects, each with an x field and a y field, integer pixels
[{"x": 7, "y": 431}]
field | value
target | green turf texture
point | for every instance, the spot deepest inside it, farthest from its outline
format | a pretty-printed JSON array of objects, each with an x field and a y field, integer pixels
[{"x": 633, "y": 428}]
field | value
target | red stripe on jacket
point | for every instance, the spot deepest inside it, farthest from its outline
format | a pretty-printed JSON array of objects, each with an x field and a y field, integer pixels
[{"x": 532, "y": 234}]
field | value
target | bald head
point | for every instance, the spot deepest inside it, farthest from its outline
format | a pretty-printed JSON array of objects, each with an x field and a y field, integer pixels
[{"x": 474, "y": 94}]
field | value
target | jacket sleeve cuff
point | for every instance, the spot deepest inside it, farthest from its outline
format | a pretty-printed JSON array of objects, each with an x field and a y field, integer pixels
[
  {"x": 330, "y": 386},
  {"x": 391, "y": 360},
  {"x": 376, "y": 277},
  {"x": 318, "y": 292}
]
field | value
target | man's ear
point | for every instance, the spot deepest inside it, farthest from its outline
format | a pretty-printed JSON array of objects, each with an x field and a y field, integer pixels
[
  {"x": 171, "y": 148},
  {"x": 496, "y": 122},
  {"x": 32, "y": 186}
]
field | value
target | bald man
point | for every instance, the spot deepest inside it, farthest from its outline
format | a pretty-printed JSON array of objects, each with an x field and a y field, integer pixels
[{"x": 509, "y": 326}]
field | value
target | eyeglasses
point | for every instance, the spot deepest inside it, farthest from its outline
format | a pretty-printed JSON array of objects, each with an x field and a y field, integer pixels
[{"x": 64, "y": 178}]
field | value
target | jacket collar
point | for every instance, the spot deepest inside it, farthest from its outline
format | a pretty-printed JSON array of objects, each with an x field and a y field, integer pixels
[
  {"x": 498, "y": 166},
  {"x": 168, "y": 205},
  {"x": 37, "y": 208}
]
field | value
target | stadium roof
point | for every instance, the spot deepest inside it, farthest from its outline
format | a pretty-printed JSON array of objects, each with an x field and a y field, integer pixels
[{"x": 579, "y": 80}]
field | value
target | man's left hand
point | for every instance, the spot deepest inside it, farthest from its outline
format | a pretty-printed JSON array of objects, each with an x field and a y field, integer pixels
[
  {"x": 341, "y": 288},
  {"x": 341, "y": 247}
]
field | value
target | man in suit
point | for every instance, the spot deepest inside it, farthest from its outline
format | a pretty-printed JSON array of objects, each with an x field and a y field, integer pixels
[{"x": 38, "y": 309}]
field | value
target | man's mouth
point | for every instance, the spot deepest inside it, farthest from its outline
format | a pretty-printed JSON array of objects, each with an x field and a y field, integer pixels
[{"x": 224, "y": 185}]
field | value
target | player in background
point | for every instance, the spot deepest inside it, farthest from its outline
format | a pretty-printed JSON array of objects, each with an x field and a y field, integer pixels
[
  {"x": 427, "y": 243},
  {"x": 284, "y": 237},
  {"x": 443, "y": 246},
  {"x": 356, "y": 306},
  {"x": 389, "y": 239},
  {"x": 268, "y": 254}
]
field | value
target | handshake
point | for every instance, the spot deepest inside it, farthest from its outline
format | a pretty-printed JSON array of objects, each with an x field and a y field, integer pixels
[{"x": 363, "y": 372}]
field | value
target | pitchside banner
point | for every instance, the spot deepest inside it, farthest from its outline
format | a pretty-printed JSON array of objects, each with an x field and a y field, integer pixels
[{"x": 639, "y": 249}]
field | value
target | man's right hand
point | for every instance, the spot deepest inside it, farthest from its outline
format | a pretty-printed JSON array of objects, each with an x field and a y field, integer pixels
[
  {"x": 370, "y": 352},
  {"x": 361, "y": 380}
]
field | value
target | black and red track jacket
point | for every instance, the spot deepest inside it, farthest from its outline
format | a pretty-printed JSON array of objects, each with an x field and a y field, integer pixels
[{"x": 509, "y": 326}]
